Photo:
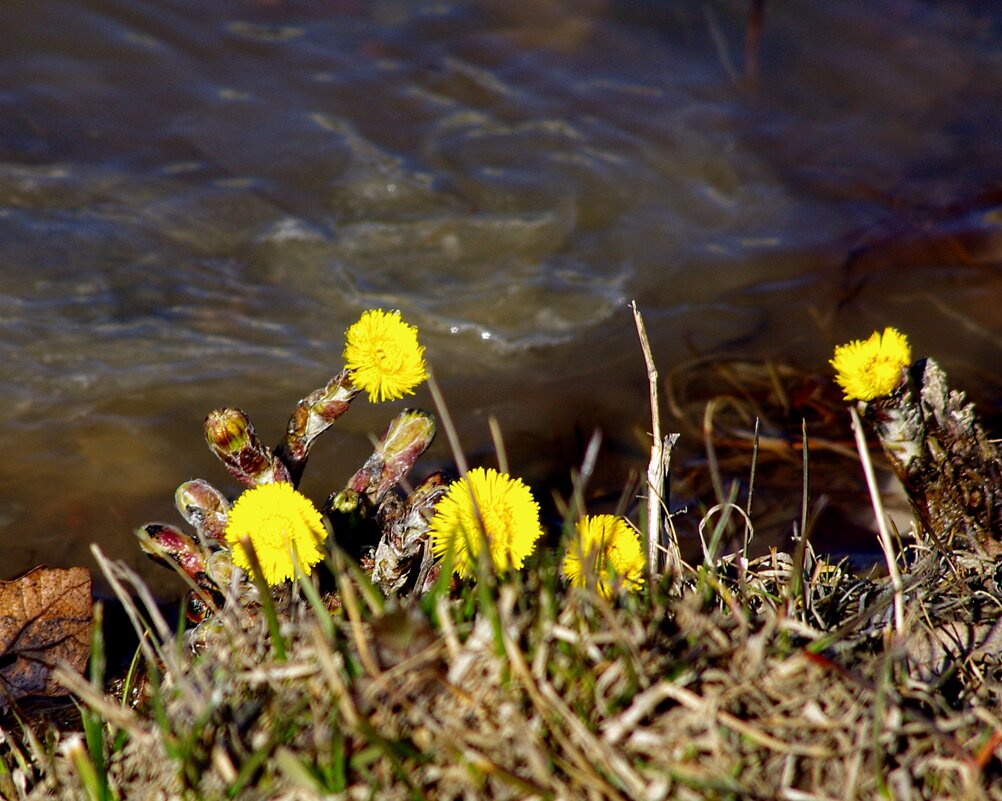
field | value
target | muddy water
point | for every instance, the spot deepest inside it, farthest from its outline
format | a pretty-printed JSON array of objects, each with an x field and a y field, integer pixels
[{"x": 197, "y": 198}]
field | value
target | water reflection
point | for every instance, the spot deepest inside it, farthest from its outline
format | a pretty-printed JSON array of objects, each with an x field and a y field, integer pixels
[{"x": 196, "y": 199}]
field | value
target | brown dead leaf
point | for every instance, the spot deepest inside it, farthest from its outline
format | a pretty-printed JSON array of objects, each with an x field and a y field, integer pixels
[{"x": 45, "y": 619}]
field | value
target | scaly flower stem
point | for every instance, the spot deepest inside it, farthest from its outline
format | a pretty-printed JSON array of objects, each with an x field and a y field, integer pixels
[
  {"x": 313, "y": 415},
  {"x": 407, "y": 437}
]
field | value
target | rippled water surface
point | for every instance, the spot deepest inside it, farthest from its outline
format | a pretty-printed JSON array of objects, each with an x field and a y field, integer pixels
[{"x": 197, "y": 198}]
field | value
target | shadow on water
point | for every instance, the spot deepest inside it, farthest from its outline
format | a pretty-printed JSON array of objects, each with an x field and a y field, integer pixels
[{"x": 196, "y": 200}]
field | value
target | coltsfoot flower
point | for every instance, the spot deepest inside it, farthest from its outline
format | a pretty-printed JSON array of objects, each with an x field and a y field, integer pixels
[
  {"x": 383, "y": 355},
  {"x": 606, "y": 547},
  {"x": 280, "y": 523},
  {"x": 872, "y": 368},
  {"x": 507, "y": 511}
]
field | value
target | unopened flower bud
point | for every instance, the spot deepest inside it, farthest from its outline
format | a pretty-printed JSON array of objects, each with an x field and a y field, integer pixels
[
  {"x": 169, "y": 545},
  {"x": 407, "y": 437},
  {"x": 232, "y": 438},
  {"x": 204, "y": 507}
]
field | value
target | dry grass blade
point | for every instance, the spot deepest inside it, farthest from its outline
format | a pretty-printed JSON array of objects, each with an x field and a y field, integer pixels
[
  {"x": 702, "y": 706},
  {"x": 110, "y": 710},
  {"x": 881, "y": 518}
]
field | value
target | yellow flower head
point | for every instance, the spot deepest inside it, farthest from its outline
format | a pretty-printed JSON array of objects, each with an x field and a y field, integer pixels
[
  {"x": 871, "y": 369},
  {"x": 504, "y": 506},
  {"x": 279, "y": 522},
  {"x": 384, "y": 356},
  {"x": 607, "y": 548}
]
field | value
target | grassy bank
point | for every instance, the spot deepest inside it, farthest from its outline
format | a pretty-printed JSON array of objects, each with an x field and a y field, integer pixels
[
  {"x": 783, "y": 678},
  {"x": 382, "y": 674}
]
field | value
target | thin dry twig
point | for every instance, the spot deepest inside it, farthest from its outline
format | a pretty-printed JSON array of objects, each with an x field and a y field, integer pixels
[{"x": 660, "y": 538}]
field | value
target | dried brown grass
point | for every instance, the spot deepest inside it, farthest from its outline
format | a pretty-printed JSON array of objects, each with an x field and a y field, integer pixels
[{"x": 734, "y": 687}]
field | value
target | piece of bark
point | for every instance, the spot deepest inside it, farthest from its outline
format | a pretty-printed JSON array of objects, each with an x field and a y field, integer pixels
[
  {"x": 403, "y": 556},
  {"x": 951, "y": 471}
]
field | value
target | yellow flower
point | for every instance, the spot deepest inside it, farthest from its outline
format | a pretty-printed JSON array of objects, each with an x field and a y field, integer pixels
[
  {"x": 384, "y": 356},
  {"x": 504, "y": 505},
  {"x": 279, "y": 522},
  {"x": 607, "y": 548},
  {"x": 871, "y": 369}
]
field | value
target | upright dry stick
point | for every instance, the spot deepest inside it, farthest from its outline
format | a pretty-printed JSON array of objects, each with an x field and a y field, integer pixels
[
  {"x": 660, "y": 538},
  {"x": 884, "y": 535}
]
